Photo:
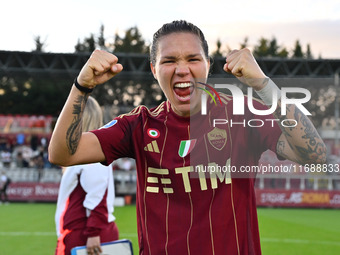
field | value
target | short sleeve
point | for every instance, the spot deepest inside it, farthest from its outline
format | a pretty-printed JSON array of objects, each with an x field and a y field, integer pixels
[{"x": 115, "y": 139}]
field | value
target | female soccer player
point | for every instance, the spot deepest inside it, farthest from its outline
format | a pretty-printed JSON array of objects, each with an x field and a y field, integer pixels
[{"x": 181, "y": 207}]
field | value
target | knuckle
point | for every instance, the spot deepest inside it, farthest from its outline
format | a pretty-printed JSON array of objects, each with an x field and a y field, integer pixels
[
  {"x": 113, "y": 60},
  {"x": 247, "y": 50},
  {"x": 95, "y": 53},
  {"x": 99, "y": 68}
]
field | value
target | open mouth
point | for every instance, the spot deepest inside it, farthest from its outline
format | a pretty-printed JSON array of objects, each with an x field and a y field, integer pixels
[{"x": 183, "y": 91}]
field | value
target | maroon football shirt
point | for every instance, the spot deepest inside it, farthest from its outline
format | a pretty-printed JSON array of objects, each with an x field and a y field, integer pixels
[{"x": 185, "y": 205}]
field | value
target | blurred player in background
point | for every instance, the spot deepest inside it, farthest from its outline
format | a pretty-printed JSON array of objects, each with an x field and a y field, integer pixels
[
  {"x": 180, "y": 213},
  {"x": 4, "y": 183},
  {"x": 84, "y": 214}
]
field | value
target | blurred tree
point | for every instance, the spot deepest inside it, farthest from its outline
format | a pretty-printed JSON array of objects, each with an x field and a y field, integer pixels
[
  {"x": 32, "y": 95},
  {"x": 309, "y": 52},
  {"x": 88, "y": 45},
  {"x": 244, "y": 44},
  {"x": 132, "y": 42},
  {"x": 297, "y": 51},
  {"x": 39, "y": 45},
  {"x": 273, "y": 48},
  {"x": 79, "y": 47},
  {"x": 261, "y": 50},
  {"x": 283, "y": 53},
  {"x": 269, "y": 48},
  {"x": 101, "y": 38},
  {"x": 218, "y": 52}
]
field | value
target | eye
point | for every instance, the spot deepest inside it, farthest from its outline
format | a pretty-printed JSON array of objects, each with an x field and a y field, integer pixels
[
  {"x": 194, "y": 59},
  {"x": 168, "y": 61}
]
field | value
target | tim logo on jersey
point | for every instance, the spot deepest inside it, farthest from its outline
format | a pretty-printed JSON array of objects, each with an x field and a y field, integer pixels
[{"x": 238, "y": 104}]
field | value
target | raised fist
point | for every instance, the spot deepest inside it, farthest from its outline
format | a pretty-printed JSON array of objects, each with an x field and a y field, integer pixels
[
  {"x": 243, "y": 65},
  {"x": 100, "y": 67}
]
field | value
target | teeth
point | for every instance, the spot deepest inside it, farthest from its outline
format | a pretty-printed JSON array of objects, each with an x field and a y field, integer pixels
[
  {"x": 182, "y": 85},
  {"x": 185, "y": 98}
]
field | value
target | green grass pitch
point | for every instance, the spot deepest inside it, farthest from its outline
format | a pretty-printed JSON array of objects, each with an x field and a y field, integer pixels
[{"x": 28, "y": 228}]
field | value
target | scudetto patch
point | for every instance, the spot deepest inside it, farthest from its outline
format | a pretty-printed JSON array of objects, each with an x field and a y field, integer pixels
[{"x": 153, "y": 133}]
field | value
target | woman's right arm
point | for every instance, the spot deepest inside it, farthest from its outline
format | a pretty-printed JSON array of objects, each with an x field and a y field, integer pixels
[{"x": 69, "y": 145}]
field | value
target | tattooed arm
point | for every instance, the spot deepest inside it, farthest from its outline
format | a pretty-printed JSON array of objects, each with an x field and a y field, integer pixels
[
  {"x": 74, "y": 131},
  {"x": 302, "y": 143},
  {"x": 69, "y": 145}
]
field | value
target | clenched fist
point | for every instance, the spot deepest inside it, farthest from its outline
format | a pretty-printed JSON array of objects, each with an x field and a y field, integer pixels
[
  {"x": 243, "y": 65},
  {"x": 100, "y": 67}
]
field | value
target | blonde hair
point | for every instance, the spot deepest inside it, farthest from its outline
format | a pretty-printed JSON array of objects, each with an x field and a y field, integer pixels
[{"x": 93, "y": 115}]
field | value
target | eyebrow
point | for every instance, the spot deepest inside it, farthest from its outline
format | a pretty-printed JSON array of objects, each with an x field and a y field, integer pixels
[
  {"x": 194, "y": 55},
  {"x": 168, "y": 57},
  {"x": 189, "y": 56}
]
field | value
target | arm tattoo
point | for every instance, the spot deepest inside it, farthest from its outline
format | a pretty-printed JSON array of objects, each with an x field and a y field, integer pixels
[
  {"x": 280, "y": 148},
  {"x": 277, "y": 114},
  {"x": 310, "y": 147},
  {"x": 75, "y": 129},
  {"x": 314, "y": 148}
]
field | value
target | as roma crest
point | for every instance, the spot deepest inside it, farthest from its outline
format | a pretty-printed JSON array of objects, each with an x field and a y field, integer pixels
[{"x": 217, "y": 138}]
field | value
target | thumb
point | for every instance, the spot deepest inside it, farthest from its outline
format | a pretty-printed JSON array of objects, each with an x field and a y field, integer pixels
[
  {"x": 104, "y": 77},
  {"x": 117, "y": 68}
]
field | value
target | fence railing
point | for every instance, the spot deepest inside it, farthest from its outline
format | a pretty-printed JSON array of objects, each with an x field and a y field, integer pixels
[
  {"x": 301, "y": 182},
  {"x": 126, "y": 180}
]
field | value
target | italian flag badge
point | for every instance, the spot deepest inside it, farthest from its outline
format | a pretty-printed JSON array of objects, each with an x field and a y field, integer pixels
[{"x": 186, "y": 147}]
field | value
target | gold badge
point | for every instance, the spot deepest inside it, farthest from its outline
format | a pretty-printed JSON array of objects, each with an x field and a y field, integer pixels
[{"x": 217, "y": 138}]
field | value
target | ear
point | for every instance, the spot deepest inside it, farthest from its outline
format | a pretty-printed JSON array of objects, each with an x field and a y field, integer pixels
[
  {"x": 209, "y": 64},
  {"x": 153, "y": 70}
]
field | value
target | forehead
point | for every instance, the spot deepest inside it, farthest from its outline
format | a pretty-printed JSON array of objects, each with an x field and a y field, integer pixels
[{"x": 179, "y": 43}]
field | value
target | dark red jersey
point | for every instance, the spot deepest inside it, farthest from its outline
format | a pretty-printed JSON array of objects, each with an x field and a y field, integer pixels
[{"x": 187, "y": 200}]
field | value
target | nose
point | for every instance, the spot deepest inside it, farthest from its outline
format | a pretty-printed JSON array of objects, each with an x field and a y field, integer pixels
[{"x": 182, "y": 69}]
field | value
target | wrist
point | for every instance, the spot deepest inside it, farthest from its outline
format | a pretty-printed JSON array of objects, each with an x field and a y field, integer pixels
[
  {"x": 92, "y": 231},
  {"x": 259, "y": 83},
  {"x": 81, "y": 88},
  {"x": 269, "y": 93}
]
